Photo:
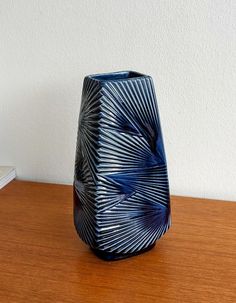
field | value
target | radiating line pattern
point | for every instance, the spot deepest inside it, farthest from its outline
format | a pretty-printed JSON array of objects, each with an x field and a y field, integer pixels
[
  {"x": 85, "y": 178},
  {"x": 121, "y": 185}
]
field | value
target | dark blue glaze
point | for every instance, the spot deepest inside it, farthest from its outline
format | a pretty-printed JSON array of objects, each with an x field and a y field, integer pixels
[{"x": 121, "y": 191}]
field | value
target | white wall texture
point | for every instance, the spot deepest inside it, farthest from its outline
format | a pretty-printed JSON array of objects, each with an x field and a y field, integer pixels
[{"x": 188, "y": 47}]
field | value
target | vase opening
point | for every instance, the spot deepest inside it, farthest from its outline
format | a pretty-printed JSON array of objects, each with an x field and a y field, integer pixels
[{"x": 117, "y": 76}]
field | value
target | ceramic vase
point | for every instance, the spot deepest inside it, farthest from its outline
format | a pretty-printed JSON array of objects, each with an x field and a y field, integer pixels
[{"x": 121, "y": 191}]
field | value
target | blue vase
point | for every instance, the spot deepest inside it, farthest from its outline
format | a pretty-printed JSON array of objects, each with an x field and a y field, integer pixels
[{"x": 121, "y": 191}]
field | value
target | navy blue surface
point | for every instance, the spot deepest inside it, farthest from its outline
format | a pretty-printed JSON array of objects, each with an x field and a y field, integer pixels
[{"x": 121, "y": 191}]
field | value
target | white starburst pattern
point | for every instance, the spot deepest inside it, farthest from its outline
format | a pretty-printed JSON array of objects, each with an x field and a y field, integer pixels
[{"x": 121, "y": 186}]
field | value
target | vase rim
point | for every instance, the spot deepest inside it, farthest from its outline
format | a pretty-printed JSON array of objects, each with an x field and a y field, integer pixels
[{"x": 117, "y": 76}]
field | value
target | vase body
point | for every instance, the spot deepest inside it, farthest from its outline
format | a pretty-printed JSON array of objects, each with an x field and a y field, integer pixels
[{"x": 121, "y": 191}]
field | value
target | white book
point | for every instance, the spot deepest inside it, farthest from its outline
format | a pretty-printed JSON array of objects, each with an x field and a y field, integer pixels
[{"x": 7, "y": 174}]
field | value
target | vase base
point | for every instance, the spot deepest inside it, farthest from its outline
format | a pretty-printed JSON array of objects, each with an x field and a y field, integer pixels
[{"x": 109, "y": 256}]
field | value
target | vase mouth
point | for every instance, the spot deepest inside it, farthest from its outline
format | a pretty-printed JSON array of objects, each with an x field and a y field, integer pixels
[{"x": 117, "y": 76}]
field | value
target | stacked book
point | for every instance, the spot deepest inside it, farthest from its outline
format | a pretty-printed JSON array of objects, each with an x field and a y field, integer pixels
[{"x": 7, "y": 174}]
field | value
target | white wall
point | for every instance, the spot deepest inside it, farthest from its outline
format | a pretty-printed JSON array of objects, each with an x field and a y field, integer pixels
[{"x": 48, "y": 46}]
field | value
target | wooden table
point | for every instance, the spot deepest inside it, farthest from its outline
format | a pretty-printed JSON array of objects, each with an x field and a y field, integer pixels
[{"x": 43, "y": 260}]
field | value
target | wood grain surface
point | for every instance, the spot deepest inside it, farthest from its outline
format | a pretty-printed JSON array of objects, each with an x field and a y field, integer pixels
[{"x": 43, "y": 260}]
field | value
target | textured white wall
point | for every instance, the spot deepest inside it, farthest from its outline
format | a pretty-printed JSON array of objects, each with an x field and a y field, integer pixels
[{"x": 189, "y": 47}]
